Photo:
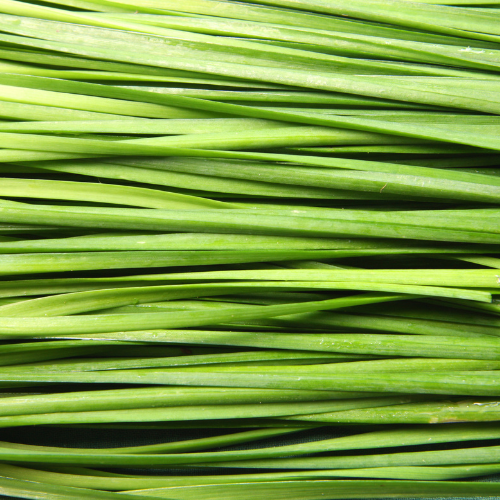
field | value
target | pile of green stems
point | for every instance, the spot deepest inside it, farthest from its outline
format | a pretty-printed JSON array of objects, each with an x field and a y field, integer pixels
[{"x": 249, "y": 249}]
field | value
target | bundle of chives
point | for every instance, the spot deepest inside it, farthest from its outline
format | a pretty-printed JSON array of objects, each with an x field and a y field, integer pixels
[{"x": 249, "y": 249}]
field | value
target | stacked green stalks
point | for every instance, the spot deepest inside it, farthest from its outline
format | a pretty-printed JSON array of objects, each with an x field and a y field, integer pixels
[{"x": 275, "y": 222}]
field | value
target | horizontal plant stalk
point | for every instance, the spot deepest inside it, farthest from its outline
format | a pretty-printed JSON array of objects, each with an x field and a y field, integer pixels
[
  {"x": 206, "y": 412},
  {"x": 79, "y": 302},
  {"x": 359, "y": 343},
  {"x": 119, "y": 482},
  {"x": 461, "y": 383},
  {"x": 225, "y": 222},
  {"x": 87, "y": 324},
  {"x": 207, "y": 241},
  {"x": 30, "y": 489},
  {"x": 312, "y": 490},
  {"x": 110, "y": 399}
]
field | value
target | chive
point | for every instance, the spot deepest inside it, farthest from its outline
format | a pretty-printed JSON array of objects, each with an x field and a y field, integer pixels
[
  {"x": 31, "y": 489},
  {"x": 208, "y": 412},
  {"x": 312, "y": 490},
  {"x": 87, "y": 324},
  {"x": 109, "y": 399},
  {"x": 377, "y": 344},
  {"x": 82, "y": 477}
]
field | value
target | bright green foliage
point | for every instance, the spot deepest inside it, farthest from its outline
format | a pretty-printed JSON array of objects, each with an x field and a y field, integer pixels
[{"x": 270, "y": 226}]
